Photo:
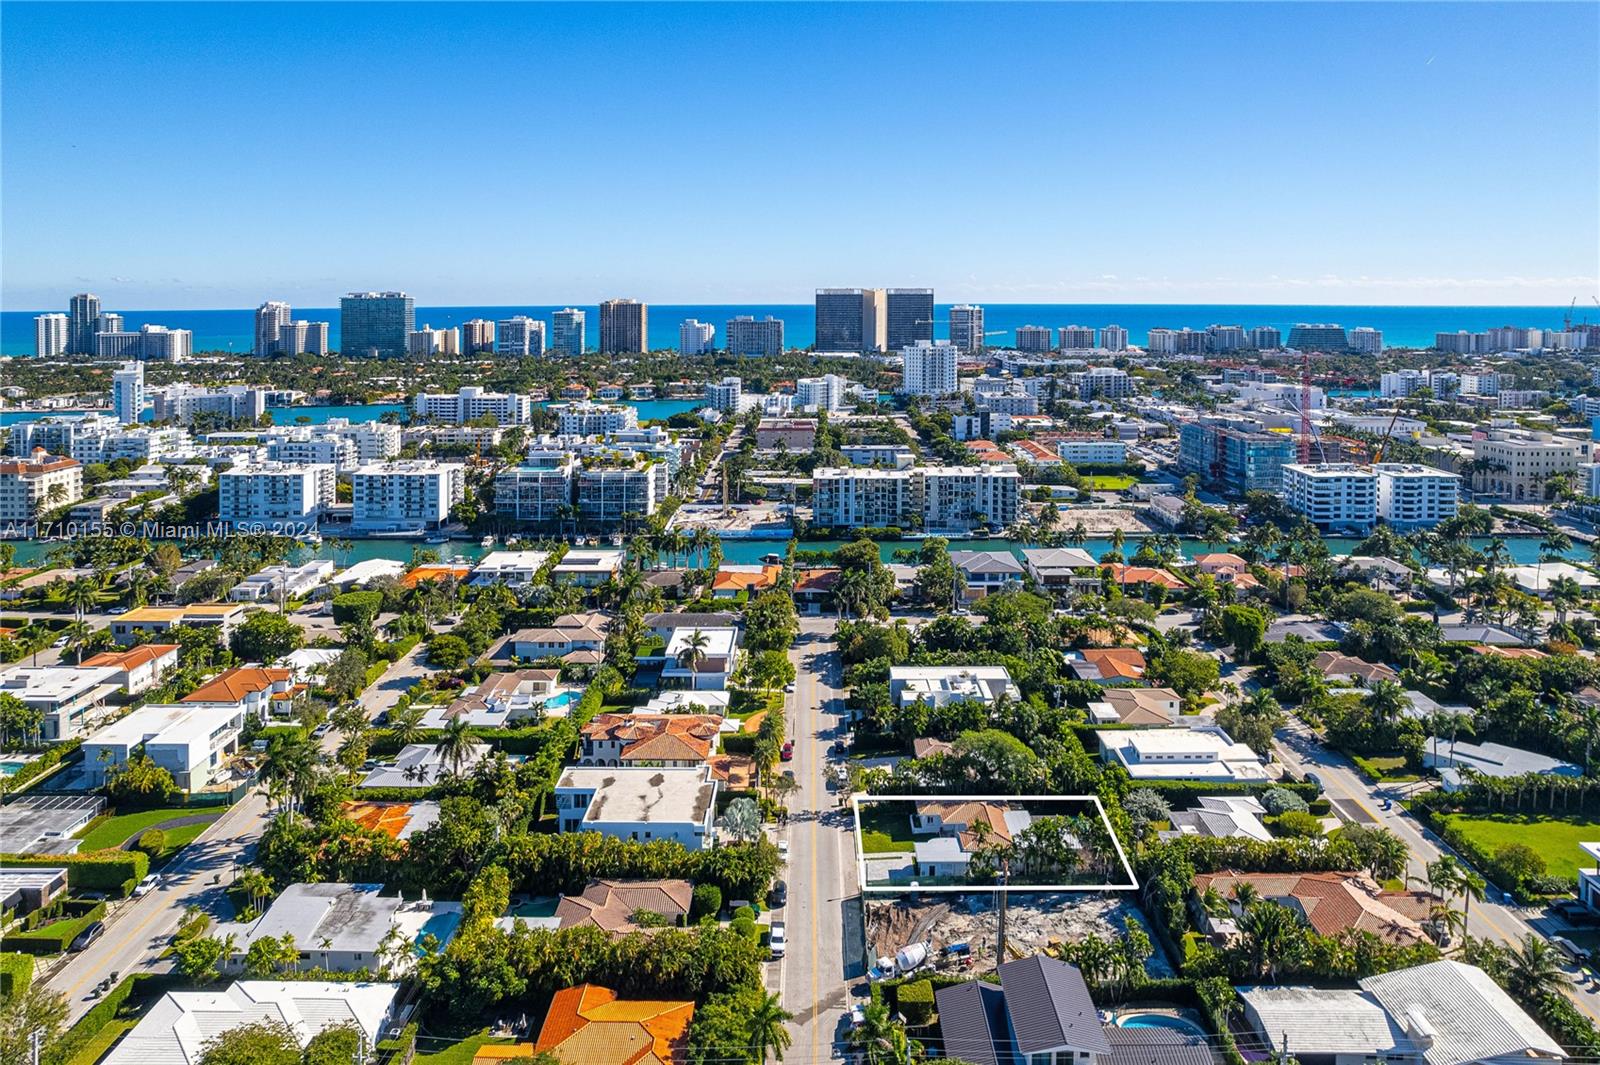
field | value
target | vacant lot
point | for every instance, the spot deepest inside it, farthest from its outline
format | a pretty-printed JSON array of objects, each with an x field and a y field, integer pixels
[
  {"x": 886, "y": 828},
  {"x": 1555, "y": 838},
  {"x": 1108, "y": 482}
]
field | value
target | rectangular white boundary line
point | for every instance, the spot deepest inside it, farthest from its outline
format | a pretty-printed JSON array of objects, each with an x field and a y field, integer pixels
[{"x": 968, "y": 889}]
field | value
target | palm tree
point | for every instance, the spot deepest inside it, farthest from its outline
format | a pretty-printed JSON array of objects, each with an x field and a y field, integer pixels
[
  {"x": 1078, "y": 535},
  {"x": 1272, "y": 933},
  {"x": 1534, "y": 970},
  {"x": 405, "y": 724},
  {"x": 1471, "y": 886},
  {"x": 77, "y": 634},
  {"x": 455, "y": 746},
  {"x": 694, "y": 650},
  {"x": 769, "y": 1028},
  {"x": 880, "y": 1039},
  {"x": 1387, "y": 700},
  {"x": 741, "y": 820},
  {"x": 82, "y": 594},
  {"x": 1444, "y": 876}
]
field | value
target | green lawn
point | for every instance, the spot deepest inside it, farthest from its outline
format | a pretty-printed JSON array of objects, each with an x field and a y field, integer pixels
[
  {"x": 1555, "y": 838},
  {"x": 886, "y": 828},
  {"x": 1385, "y": 768},
  {"x": 1109, "y": 482},
  {"x": 456, "y": 1053},
  {"x": 115, "y": 831},
  {"x": 96, "y": 1048}
]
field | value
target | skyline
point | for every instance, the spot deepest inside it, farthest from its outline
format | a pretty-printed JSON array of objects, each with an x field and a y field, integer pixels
[{"x": 1195, "y": 154}]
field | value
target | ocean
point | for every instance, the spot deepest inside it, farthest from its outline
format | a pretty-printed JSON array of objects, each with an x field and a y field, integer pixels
[
  {"x": 234, "y": 330},
  {"x": 649, "y": 410}
]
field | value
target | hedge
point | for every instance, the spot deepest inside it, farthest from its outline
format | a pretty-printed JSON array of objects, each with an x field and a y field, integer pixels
[
  {"x": 16, "y": 973},
  {"x": 354, "y": 607},
  {"x": 43, "y": 765},
  {"x": 56, "y": 937},
  {"x": 147, "y": 985},
  {"x": 400, "y": 1049},
  {"x": 112, "y": 871},
  {"x": 916, "y": 1002}
]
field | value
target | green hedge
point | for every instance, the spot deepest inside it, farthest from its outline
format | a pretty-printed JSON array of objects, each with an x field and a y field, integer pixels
[
  {"x": 353, "y": 607},
  {"x": 134, "y": 992},
  {"x": 16, "y": 973},
  {"x": 399, "y": 1050},
  {"x": 916, "y": 1002},
  {"x": 112, "y": 871},
  {"x": 53, "y": 938},
  {"x": 43, "y": 765}
]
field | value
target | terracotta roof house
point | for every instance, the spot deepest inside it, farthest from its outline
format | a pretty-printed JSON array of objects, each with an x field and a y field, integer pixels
[
  {"x": 1336, "y": 666},
  {"x": 1329, "y": 903},
  {"x": 1142, "y": 707},
  {"x": 610, "y": 904},
  {"x": 735, "y": 772},
  {"x": 1125, "y": 575},
  {"x": 397, "y": 820},
  {"x": 924, "y": 746},
  {"x": 590, "y": 1025},
  {"x": 813, "y": 588},
  {"x": 252, "y": 688},
  {"x": 1107, "y": 665},
  {"x": 676, "y": 740},
  {"x": 959, "y": 818},
  {"x": 1487, "y": 649},
  {"x": 435, "y": 571},
  {"x": 731, "y": 580},
  {"x": 139, "y": 668},
  {"x": 1219, "y": 561}
]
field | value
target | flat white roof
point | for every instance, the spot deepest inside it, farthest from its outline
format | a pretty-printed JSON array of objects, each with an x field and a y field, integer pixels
[
  {"x": 642, "y": 795},
  {"x": 53, "y": 683},
  {"x": 719, "y": 641},
  {"x": 496, "y": 560},
  {"x": 164, "y": 723}
]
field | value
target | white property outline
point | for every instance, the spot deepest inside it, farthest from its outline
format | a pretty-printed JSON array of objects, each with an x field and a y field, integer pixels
[{"x": 861, "y": 852}]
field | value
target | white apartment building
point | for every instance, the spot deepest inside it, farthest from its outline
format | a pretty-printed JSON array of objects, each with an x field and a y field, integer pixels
[
  {"x": 405, "y": 496},
  {"x": 1092, "y": 452},
  {"x": 50, "y": 335},
  {"x": 611, "y": 491},
  {"x": 930, "y": 368},
  {"x": 1397, "y": 384},
  {"x": 275, "y": 493},
  {"x": 1524, "y": 461},
  {"x": 567, "y": 332},
  {"x": 1522, "y": 398},
  {"x": 1483, "y": 382},
  {"x": 1113, "y": 338},
  {"x": 1075, "y": 338},
  {"x": 181, "y": 403},
  {"x": 127, "y": 392},
  {"x": 1015, "y": 400},
  {"x": 825, "y": 393},
  {"x": 1366, "y": 340},
  {"x": 136, "y": 444},
  {"x": 374, "y": 441},
  {"x": 302, "y": 337},
  {"x": 1035, "y": 338},
  {"x": 324, "y": 449},
  {"x": 537, "y": 491},
  {"x": 597, "y": 419},
  {"x": 1334, "y": 496},
  {"x": 1102, "y": 382},
  {"x": 519, "y": 335},
  {"x": 955, "y": 498},
  {"x": 696, "y": 337},
  {"x": 470, "y": 403},
  {"x": 36, "y": 484},
  {"x": 1412, "y": 496},
  {"x": 1444, "y": 384},
  {"x": 724, "y": 395},
  {"x": 431, "y": 341}
]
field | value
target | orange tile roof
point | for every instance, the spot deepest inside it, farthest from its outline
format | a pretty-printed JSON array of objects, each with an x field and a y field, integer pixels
[
  {"x": 816, "y": 580},
  {"x": 736, "y": 771},
  {"x": 1116, "y": 663},
  {"x": 1486, "y": 649},
  {"x": 739, "y": 580},
  {"x": 1144, "y": 575},
  {"x": 435, "y": 571},
  {"x": 589, "y": 1025},
  {"x": 132, "y": 658},
  {"x": 235, "y": 684},
  {"x": 657, "y": 737},
  {"x": 493, "y": 1053},
  {"x": 1333, "y": 902},
  {"x": 390, "y": 818}
]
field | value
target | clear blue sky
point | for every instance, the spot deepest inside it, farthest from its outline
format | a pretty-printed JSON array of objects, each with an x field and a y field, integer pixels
[{"x": 212, "y": 155}]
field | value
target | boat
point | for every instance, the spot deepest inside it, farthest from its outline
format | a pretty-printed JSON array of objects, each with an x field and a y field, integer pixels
[
  {"x": 312, "y": 538},
  {"x": 437, "y": 538},
  {"x": 486, "y": 543}
]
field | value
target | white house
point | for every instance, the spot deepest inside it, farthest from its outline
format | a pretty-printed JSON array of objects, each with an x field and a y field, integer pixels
[
  {"x": 189, "y": 740},
  {"x": 285, "y": 581},
  {"x": 65, "y": 695},
  {"x": 719, "y": 652},
  {"x": 343, "y": 927},
  {"x": 140, "y": 668},
  {"x": 1181, "y": 754},
  {"x": 587, "y": 567},
  {"x": 420, "y": 765},
  {"x": 512, "y": 568},
  {"x": 639, "y": 803},
  {"x": 938, "y": 685}
]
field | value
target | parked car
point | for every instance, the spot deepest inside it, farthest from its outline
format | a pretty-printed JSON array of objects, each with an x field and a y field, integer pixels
[
  {"x": 787, "y": 753},
  {"x": 82, "y": 940},
  {"x": 779, "y": 895},
  {"x": 777, "y": 941},
  {"x": 783, "y": 849},
  {"x": 59, "y": 644},
  {"x": 147, "y": 885},
  {"x": 117, "y": 611}
]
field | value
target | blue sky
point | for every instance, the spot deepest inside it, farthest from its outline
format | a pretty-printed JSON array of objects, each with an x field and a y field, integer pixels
[{"x": 212, "y": 155}]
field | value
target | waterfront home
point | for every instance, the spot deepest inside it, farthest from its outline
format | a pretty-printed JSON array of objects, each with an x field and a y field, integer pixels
[
  {"x": 733, "y": 580},
  {"x": 587, "y": 567},
  {"x": 514, "y": 569},
  {"x": 1062, "y": 570},
  {"x": 988, "y": 571},
  {"x": 276, "y": 583}
]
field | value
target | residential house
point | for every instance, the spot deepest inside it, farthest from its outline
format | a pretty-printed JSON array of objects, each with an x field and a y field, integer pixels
[
  {"x": 308, "y": 664},
  {"x": 254, "y": 690},
  {"x": 1456, "y": 760},
  {"x": 397, "y": 820},
  {"x": 420, "y": 765},
  {"x": 1039, "y": 1013},
  {"x": 515, "y": 569},
  {"x": 1327, "y": 903},
  {"x": 189, "y": 740},
  {"x": 1129, "y": 576},
  {"x": 940, "y": 685},
  {"x": 590, "y": 1025},
  {"x": 159, "y": 619},
  {"x": 1222, "y": 817},
  {"x": 1205, "y": 753},
  {"x": 1137, "y": 707},
  {"x": 67, "y": 696},
  {"x": 278, "y": 583},
  {"x": 732, "y": 580},
  {"x": 988, "y": 571},
  {"x": 701, "y": 658},
  {"x": 639, "y": 803},
  {"x": 26, "y": 889},
  {"x": 1345, "y": 669},
  {"x": 813, "y": 589},
  {"x": 610, "y": 905},
  {"x": 1107, "y": 665},
  {"x": 587, "y": 567},
  {"x": 46, "y": 824},
  {"x": 342, "y": 927},
  {"x": 503, "y": 699},
  {"x": 567, "y": 634},
  {"x": 140, "y": 668},
  {"x": 1062, "y": 570},
  {"x": 958, "y": 827},
  {"x": 649, "y": 739}
]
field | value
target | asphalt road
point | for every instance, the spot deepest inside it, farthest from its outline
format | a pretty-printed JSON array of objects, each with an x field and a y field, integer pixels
[
  {"x": 1356, "y": 799},
  {"x": 823, "y": 917}
]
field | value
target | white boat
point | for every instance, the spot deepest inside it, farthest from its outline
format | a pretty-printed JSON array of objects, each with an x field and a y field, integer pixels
[
  {"x": 486, "y": 543},
  {"x": 437, "y": 538}
]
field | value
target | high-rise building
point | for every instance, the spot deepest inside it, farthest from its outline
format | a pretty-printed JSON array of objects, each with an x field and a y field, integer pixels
[
  {"x": 431, "y": 341},
  {"x": 521, "y": 336},
  {"x": 376, "y": 323},
  {"x": 695, "y": 337},
  {"x": 1266, "y": 338},
  {"x": 1321, "y": 337},
  {"x": 478, "y": 336},
  {"x": 1334, "y": 496},
  {"x": 303, "y": 338},
  {"x": 109, "y": 322},
  {"x": 271, "y": 317},
  {"x": 1036, "y": 338},
  {"x": 470, "y": 402},
  {"x": 874, "y": 320},
  {"x": 567, "y": 333},
  {"x": 1366, "y": 340},
  {"x": 151, "y": 342},
  {"x": 404, "y": 495},
  {"x": 909, "y": 317},
  {"x": 84, "y": 311},
  {"x": 930, "y": 368},
  {"x": 853, "y": 319},
  {"x": 747, "y": 336},
  {"x": 826, "y": 393},
  {"x": 1114, "y": 338},
  {"x": 1076, "y": 338},
  {"x": 1233, "y": 459},
  {"x": 127, "y": 392},
  {"x": 724, "y": 395},
  {"x": 966, "y": 327},
  {"x": 52, "y": 334},
  {"x": 624, "y": 326},
  {"x": 1226, "y": 338}
]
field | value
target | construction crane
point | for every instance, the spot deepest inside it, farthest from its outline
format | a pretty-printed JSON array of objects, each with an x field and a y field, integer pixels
[
  {"x": 1566, "y": 323},
  {"x": 1377, "y": 454},
  {"x": 1305, "y": 407}
]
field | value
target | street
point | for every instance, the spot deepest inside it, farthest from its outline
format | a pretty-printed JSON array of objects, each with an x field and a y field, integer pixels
[{"x": 823, "y": 915}]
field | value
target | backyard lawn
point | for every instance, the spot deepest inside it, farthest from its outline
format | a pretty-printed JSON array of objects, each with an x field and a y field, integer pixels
[
  {"x": 1109, "y": 482},
  {"x": 886, "y": 828},
  {"x": 456, "y": 1053},
  {"x": 1555, "y": 838},
  {"x": 117, "y": 830}
]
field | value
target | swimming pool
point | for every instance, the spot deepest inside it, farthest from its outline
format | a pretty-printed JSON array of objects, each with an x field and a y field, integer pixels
[
  {"x": 11, "y": 769},
  {"x": 561, "y": 699},
  {"x": 1160, "y": 1020}
]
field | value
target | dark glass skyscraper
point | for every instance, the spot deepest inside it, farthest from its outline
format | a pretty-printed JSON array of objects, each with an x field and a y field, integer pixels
[
  {"x": 910, "y": 316},
  {"x": 376, "y": 323},
  {"x": 624, "y": 327},
  {"x": 839, "y": 319},
  {"x": 83, "y": 314}
]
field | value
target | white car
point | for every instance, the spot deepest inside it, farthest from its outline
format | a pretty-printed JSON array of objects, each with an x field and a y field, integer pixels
[
  {"x": 147, "y": 885},
  {"x": 783, "y": 850},
  {"x": 777, "y": 941}
]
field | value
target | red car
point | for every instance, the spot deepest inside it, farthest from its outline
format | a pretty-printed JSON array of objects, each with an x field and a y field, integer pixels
[{"x": 788, "y": 751}]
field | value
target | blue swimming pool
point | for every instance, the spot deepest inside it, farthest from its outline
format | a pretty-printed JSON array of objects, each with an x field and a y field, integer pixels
[
  {"x": 561, "y": 699},
  {"x": 1159, "y": 1020}
]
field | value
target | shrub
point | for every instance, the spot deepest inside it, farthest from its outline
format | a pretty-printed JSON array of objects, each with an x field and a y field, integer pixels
[
  {"x": 1518, "y": 863},
  {"x": 746, "y": 926},
  {"x": 1321, "y": 807},
  {"x": 1297, "y": 823},
  {"x": 152, "y": 841},
  {"x": 744, "y": 913},
  {"x": 706, "y": 901},
  {"x": 354, "y": 608},
  {"x": 114, "y": 872},
  {"x": 916, "y": 1002},
  {"x": 16, "y": 973},
  {"x": 1281, "y": 801}
]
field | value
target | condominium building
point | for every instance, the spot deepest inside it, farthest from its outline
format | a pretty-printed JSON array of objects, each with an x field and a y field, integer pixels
[
  {"x": 930, "y": 368},
  {"x": 724, "y": 395},
  {"x": 1162, "y": 342},
  {"x": 538, "y": 491},
  {"x": 626, "y": 487},
  {"x": 471, "y": 402},
  {"x": 376, "y": 323},
  {"x": 952, "y": 498},
  {"x": 1035, "y": 338},
  {"x": 275, "y": 493},
  {"x": 1366, "y": 340},
  {"x": 1518, "y": 464},
  {"x": 1397, "y": 384},
  {"x": 41, "y": 482},
  {"x": 1484, "y": 382},
  {"x": 1075, "y": 338},
  {"x": 567, "y": 333},
  {"x": 314, "y": 449},
  {"x": 1113, "y": 338},
  {"x": 127, "y": 392},
  {"x": 1320, "y": 337},
  {"x": 1412, "y": 496},
  {"x": 908, "y": 315},
  {"x": 1235, "y": 460},
  {"x": 83, "y": 313},
  {"x": 152, "y": 343},
  {"x": 109, "y": 322},
  {"x": 478, "y": 336},
  {"x": 1102, "y": 382},
  {"x": 590, "y": 419},
  {"x": 749, "y": 336},
  {"x": 271, "y": 317},
  {"x": 182, "y": 403},
  {"x": 521, "y": 336},
  {"x": 826, "y": 393},
  {"x": 1226, "y": 338},
  {"x": 966, "y": 328},
  {"x": 430, "y": 341},
  {"x": 374, "y": 441},
  {"x": 51, "y": 335},
  {"x": 1266, "y": 338},
  {"x": 852, "y": 319},
  {"x": 1092, "y": 452},
  {"x": 303, "y": 338},
  {"x": 1334, "y": 496},
  {"x": 624, "y": 327},
  {"x": 696, "y": 337},
  {"x": 405, "y": 496}
]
